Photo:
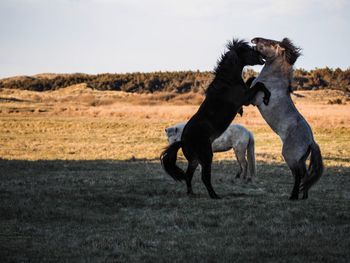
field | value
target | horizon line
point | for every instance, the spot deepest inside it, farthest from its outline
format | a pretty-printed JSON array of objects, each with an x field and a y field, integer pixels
[{"x": 154, "y": 71}]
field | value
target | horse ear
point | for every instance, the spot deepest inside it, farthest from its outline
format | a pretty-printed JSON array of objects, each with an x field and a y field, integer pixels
[{"x": 176, "y": 130}]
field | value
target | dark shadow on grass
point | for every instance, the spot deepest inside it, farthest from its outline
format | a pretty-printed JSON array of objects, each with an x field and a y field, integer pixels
[
  {"x": 109, "y": 185},
  {"x": 76, "y": 209},
  {"x": 337, "y": 159}
]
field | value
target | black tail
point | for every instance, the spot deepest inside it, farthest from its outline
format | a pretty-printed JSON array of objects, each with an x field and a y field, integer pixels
[
  {"x": 168, "y": 161},
  {"x": 315, "y": 168}
]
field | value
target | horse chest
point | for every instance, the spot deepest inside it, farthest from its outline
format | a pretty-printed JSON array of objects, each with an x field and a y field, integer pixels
[{"x": 278, "y": 117}]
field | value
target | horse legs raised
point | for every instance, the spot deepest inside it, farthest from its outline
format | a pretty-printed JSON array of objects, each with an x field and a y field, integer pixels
[
  {"x": 251, "y": 93},
  {"x": 191, "y": 168}
]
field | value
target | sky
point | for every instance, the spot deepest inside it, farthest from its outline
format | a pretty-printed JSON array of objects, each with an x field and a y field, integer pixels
[{"x": 119, "y": 36}]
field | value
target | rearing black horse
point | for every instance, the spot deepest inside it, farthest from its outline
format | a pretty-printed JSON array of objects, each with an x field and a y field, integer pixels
[{"x": 225, "y": 96}]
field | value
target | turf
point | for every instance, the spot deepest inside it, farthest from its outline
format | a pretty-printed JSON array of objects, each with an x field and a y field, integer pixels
[
  {"x": 80, "y": 181},
  {"x": 127, "y": 211}
]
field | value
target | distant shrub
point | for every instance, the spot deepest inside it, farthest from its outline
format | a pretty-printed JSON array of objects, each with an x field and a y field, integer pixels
[
  {"x": 178, "y": 82},
  {"x": 335, "y": 101}
]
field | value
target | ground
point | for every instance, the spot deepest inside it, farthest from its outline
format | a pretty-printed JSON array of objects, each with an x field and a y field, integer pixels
[{"x": 80, "y": 180}]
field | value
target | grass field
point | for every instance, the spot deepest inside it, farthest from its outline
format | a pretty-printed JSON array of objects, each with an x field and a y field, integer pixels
[{"x": 80, "y": 180}]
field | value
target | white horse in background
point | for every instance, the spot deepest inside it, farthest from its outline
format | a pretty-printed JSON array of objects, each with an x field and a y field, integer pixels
[{"x": 235, "y": 137}]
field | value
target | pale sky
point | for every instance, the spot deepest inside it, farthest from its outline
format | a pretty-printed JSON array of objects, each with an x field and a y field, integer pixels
[{"x": 118, "y": 36}]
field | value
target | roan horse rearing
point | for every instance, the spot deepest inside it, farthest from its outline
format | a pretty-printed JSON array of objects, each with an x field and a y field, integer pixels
[
  {"x": 282, "y": 115},
  {"x": 225, "y": 96}
]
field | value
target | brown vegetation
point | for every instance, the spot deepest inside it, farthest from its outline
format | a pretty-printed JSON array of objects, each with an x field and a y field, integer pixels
[
  {"x": 173, "y": 82},
  {"x": 83, "y": 122},
  {"x": 80, "y": 100}
]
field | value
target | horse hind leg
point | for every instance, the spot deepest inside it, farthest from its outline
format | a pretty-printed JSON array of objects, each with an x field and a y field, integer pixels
[
  {"x": 310, "y": 171},
  {"x": 305, "y": 194},
  {"x": 238, "y": 174},
  {"x": 306, "y": 173},
  {"x": 205, "y": 157},
  {"x": 243, "y": 164},
  {"x": 296, "y": 165},
  {"x": 297, "y": 179},
  {"x": 206, "y": 178},
  {"x": 191, "y": 168},
  {"x": 299, "y": 171}
]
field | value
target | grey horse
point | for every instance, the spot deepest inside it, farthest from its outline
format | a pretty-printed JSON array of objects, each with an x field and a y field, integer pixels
[{"x": 282, "y": 115}]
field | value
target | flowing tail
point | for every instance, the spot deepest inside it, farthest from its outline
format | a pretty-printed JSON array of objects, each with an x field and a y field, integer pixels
[
  {"x": 168, "y": 161},
  {"x": 251, "y": 156},
  {"x": 315, "y": 168}
]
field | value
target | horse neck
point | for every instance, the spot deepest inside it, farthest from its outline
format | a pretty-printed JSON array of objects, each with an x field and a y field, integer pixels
[
  {"x": 278, "y": 68},
  {"x": 281, "y": 112},
  {"x": 232, "y": 73},
  {"x": 229, "y": 76}
]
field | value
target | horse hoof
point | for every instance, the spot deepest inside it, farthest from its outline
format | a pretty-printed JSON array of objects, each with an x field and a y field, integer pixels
[
  {"x": 191, "y": 195},
  {"x": 215, "y": 196},
  {"x": 293, "y": 197},
  {"x": 305, "y": 196}
]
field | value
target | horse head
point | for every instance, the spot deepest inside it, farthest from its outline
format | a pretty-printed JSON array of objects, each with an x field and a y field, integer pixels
[
  {"x": 239, "y": 54},
  {"x": 247, "y": 55},
  {"x": 272, "y": 49}
]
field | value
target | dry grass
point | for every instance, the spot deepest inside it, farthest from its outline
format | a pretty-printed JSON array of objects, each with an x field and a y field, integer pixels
[
  {"x": 79, "y": 100},
  {"x": 78, "y": 123},
  {"x": 80, "y": 180}
]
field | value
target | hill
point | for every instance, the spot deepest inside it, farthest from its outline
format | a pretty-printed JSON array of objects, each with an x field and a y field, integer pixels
[{"x": 174, "y": 82}]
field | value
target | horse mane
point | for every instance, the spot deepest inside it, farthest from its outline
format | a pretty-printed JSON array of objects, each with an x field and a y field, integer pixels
[
  {"x": 226, "y": 65},
  {"x": 291, "y": 51},
  {"x": 229, "y": 58},
  {"x": 291, "y": 54}
]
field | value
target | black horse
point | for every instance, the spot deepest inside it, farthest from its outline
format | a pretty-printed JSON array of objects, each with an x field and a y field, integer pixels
[{"x": 225, "y": 97}]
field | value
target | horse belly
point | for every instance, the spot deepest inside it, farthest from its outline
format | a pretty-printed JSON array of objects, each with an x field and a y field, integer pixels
[
  {"x": 221, "y": 145},
  {"x": 279, "y": 116}
]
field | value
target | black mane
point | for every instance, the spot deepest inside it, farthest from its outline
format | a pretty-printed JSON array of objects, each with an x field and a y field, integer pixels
[
  {"x": 229, "y": 58},
  {"x": 237, "y": 44},
  {"x": 292, "y": 52}
]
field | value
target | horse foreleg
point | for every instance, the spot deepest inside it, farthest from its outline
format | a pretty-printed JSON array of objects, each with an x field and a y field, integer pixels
[
  {"x": 251, "y": 93},
  {"x": 249, "y": 81}
]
